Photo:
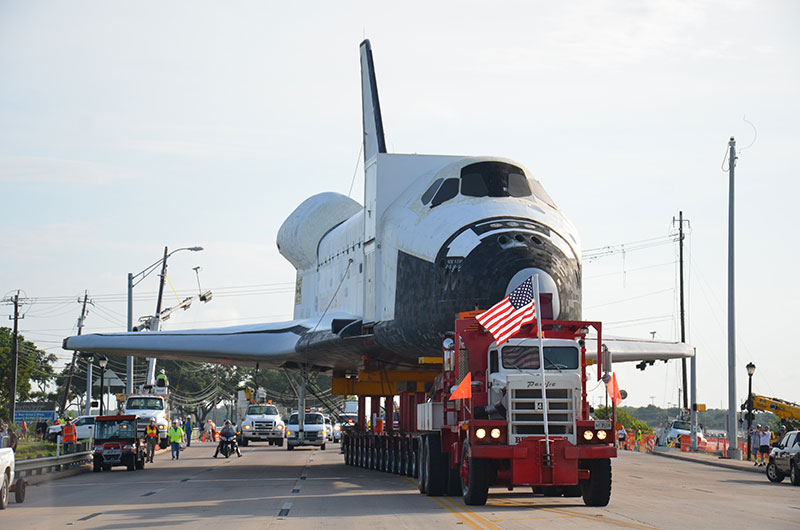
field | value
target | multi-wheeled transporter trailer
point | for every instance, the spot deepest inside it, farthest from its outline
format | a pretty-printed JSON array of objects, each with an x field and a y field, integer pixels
[{"x": 524, "y": 424}]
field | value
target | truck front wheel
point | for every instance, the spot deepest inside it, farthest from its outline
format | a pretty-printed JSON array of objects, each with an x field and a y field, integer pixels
[
  {"x": 245, "y": 442},
  {"x": 596, "y": 491},
  {"x": 4, "y": 485},
  {"x": 163, "y": 443},
  {"x": 474, "y": 478}
]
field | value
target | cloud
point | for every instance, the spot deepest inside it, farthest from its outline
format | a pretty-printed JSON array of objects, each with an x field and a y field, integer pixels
[
  {"x": 194, "y": 149},
  {"x": 27, "y": 169}
]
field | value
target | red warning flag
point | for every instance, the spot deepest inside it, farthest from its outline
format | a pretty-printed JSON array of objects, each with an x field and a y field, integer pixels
[
  {"x": 613, "y": 390},
  {"x": 464, "y": 388}
]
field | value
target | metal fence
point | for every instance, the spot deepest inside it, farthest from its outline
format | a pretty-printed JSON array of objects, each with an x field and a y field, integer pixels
[{"x": 39, "y": 466}]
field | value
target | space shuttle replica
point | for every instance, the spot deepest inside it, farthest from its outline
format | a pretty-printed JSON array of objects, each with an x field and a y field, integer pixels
[{"x": 381, "y": 282}]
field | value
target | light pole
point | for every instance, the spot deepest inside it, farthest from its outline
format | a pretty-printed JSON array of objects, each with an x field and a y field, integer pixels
[
  {"x": 751, "y": 369},
  {"x": 102, "y": 361},
  {"x": 133, "y": 281}
]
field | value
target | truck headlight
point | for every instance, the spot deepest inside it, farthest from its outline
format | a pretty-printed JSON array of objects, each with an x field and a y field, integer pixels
[
  {"x": 588, "y": 435},
  {"x": 323, "y": 432},
  {"x": 288, "y": 433},
  {"x": 601, "y": 435},
  {"x": 127, "y": 447},
  {"x": 162, "y": 427},
  {"x": 281, "y": 427},
  {"x": 480, "y": 434},
  {"x": 495, "y": 433},
  {"x": 245, "y": 427}
]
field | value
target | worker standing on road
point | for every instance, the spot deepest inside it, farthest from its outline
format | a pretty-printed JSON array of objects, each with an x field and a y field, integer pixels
[
  {"x": 209, "y": 430},
  {"x": 638, "y": 439},
  {"x": 151, "y": 435},
  {"x": 621, "y": 435},
  {"x": 188, "y": 427},
  {"x": 175, "y": 434},
  {"x": 69, "y": 437}
]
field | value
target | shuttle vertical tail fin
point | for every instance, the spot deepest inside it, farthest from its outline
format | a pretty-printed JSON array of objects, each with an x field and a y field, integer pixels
[{"x": 374, "y": 141}]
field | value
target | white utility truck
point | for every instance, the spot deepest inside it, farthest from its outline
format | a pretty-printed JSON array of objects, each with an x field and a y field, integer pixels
[{"x": 147, "y": 406}]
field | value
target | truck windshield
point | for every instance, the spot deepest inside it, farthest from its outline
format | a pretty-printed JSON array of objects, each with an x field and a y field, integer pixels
[
  {"x": 145, "y": 403},
  {"x": 262, "y": 409},
  {"x": 682, "y": 426},
  {"x": 311, "y": 419},
  {"x": 527, "y": 357},
  {"x": 114, "y": 430}
]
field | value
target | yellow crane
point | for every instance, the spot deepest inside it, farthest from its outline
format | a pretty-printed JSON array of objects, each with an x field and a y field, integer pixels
[{"x": 785, "y": 410}]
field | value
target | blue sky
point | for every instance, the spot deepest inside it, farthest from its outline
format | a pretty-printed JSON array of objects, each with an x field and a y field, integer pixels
[{"x": 127, "y": 127}]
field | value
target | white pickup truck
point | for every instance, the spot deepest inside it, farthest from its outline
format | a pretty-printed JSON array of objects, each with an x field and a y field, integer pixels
[{"x": 7, "y": 483}]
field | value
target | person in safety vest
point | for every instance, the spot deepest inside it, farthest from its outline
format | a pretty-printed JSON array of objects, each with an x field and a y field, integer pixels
[
  {"x": 151, "y": 437},
  {"x": 69, "y": 437},
  {"x": 161, "y": 378},
  {"x": 175, "y": 434}
]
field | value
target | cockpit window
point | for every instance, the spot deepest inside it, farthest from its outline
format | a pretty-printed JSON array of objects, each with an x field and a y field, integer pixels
[
  {"x": 494, "y": 179},
  {"x": 448, "y": 190},
  {"x": 426, "y": 197}
]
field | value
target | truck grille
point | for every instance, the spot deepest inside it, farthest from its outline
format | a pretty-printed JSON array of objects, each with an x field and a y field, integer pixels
[
  {"x": 527, "y": 415},
  {"x": 311, "y": 436},
  {"x": 263, "y": 426}
]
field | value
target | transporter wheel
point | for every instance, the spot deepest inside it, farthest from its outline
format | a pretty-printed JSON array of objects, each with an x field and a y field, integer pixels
[
  {"x": 131, "y": 463},
  {"x": 435, "y": 466},
  {"x": 140, "y": 463},
  {"x": 402, "y": 462},
  {"x": 386, "y": 460},
  {"x": 245, "y": 442},
  {"x": 4, "y": 492},
  {"x": 19, "y": 491},
  {"x": 474, "y": 474},
  {"x": 280, "y": 442},
  {"x": 397, "y": 464},
  {"x": 413, "y": 461},
  {"x": 794, "y": 474},
  {"x": 596, "y": 491},
  {"x": 773, "y": 473},
  {"x": 422, "y": 482}
]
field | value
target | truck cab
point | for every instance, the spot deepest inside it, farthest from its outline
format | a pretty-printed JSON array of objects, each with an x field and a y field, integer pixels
[
  {"x": 147, "y": 407},
  {"x": 262, "y": 423},
  {"x": 514, "y": 384},
  {"x": 118, "y": 442}
]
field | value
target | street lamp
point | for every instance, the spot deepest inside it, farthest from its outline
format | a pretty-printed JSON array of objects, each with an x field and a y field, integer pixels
[
  {"x": 133, "y": 281},
  {"x": 751, "y": 369},
  {"x": 102, "y": 361}
]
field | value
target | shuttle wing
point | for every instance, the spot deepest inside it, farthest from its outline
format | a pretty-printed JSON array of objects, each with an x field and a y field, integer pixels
[
  {"x": 273, "y": 344},
  {"x": 630, "y": 350}
]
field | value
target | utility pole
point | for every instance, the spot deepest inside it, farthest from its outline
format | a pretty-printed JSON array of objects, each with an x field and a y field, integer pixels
[
  {"x": 733, "y": 448},
  {"x": 12, "y": 384},
  {"x": 74, "y": 354},
  {"x": 683, "y": 313}
]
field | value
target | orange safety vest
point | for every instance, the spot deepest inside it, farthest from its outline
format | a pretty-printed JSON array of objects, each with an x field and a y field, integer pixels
[
  {"x": 69, "y": 433},
  {"x": 152, "y": 432}
]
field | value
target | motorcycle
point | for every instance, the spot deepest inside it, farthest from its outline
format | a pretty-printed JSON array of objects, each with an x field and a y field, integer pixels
[{"x": 226, "y": 445}]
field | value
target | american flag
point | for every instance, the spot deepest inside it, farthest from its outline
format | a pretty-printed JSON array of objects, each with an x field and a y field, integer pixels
[{"x": 507, "y": 316}]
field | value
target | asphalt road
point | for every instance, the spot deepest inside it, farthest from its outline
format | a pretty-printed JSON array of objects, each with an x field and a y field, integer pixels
[{"x": 270, "y": 487}]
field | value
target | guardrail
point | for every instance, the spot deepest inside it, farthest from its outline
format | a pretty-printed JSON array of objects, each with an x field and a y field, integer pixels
[{"x": 39, "y": 466}]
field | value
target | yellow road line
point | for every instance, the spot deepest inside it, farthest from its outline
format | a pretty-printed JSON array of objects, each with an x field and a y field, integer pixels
[
  {"x": 469, "y": 522},
  {"x": 485, "y": 522}
]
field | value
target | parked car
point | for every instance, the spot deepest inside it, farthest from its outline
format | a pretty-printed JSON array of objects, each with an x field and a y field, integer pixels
[
  {"x": 84, "y": 428},
  {"x": 784, "y": 459}
]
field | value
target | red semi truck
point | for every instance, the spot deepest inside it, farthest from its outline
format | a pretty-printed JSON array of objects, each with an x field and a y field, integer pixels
[{"x": 522, "y": 426}]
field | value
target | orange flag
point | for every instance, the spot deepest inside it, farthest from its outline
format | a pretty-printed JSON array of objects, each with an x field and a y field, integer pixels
[
  {"x": 464, "y": 388},
  {"x": 613, "y": 390}
]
